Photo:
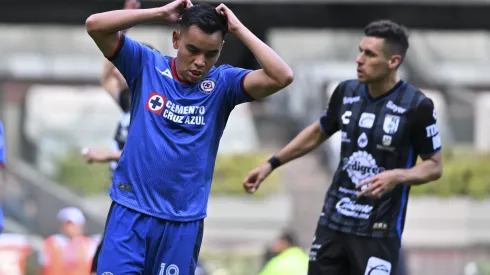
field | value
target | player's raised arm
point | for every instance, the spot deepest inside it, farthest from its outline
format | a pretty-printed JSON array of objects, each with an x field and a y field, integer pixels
[
  {"x": 275, "y": 73},
  {"x": 104, "y": 27}
]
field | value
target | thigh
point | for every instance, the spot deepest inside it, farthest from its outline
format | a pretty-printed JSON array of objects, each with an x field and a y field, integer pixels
[
  {"x": 174, "y": 247},
  {"x": 370, "y": 256},
  {"x": 123, "y": 247},
  {"x": 327, "y": 254}
]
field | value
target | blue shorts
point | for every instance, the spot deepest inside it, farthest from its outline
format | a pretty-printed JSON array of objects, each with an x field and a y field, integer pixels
[{"x": 139, "y": 244}]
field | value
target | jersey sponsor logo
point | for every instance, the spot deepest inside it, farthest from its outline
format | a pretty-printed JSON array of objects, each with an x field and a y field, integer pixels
[
  {"x": 193, "y": 115},
  {"x": 207, "y": 86},
  {"x": 362, "y": 141},
  {"x": 350, "y": 100},
  {"x": 395, "y": 108},
  {"x": 386, "y": 141},
  {"x": 433, "y": 132},
  {"x": 155, "y": 103},
  {"x": 390, "y": 125},
  {"x": 361, "y": 166},
  {"x": 377, "y": 266},
  {"x": 344, "y": 137},
  {"x": 350, "y": 208},
  {"x": 166, "y": 73},
  {"x": 345, "y": 117},
  {"x": 367, "y": 120}
]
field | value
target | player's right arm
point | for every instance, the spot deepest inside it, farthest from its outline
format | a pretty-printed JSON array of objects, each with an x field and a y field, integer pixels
[
  {"x": 306, "y": 141},
  {"x": 126, "y": 54}
]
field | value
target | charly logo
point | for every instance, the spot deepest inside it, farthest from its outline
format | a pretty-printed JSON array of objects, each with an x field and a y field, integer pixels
[
  {"x": 360, "y": 166},
  {"x": 377, "y": 266}
]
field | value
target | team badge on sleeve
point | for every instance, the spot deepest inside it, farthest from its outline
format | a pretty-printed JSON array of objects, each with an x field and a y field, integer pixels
[
  {"x": 156, "y": 103},
  {"x": 207, "y": 86}
]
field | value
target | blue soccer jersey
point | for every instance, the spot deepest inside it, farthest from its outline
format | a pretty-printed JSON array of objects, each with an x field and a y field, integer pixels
[{"x": 168, "y": 161}]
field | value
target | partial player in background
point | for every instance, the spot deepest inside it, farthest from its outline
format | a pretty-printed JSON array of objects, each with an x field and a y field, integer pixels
[
  {"x": 70, "y": 251},
  {"x": 179, "y": 109},
  {"x": 3, "y": 173},
  {"x": 386, "y": 124}
]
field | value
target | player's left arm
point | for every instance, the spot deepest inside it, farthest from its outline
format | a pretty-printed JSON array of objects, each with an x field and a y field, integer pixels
[
  {"x": 427, "y": 144},
  {"x": 275, "y": 73}
]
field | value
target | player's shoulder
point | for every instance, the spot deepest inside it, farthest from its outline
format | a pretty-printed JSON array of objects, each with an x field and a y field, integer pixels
[
  {"x": 420, "y": 98},
  {"x": 350, "y": 87}
]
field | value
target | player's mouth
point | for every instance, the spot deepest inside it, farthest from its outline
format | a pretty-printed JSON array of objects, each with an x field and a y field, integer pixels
[
  {"x": 360, "y": 72},
  {"x": 195, "y": 74}
]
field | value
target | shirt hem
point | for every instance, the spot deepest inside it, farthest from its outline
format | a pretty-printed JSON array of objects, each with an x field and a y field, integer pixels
[{"x": 159, "y": 216}]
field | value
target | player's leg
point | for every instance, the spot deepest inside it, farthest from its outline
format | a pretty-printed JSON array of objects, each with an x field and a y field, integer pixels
[
  {"x": 327, "y": 254},
  {"x": 373, "y": 255},
  {"x": 123, "y": 248},
  {"x": 174, "y": 250}
]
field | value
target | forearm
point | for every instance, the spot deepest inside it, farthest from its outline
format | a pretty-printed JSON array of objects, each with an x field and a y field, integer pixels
[
  {"x": 424, "y": 172},
  {"x": 305, "y": 142},
  {"x": 272, "y": 64},
  {"x": 119, "y": 20}
]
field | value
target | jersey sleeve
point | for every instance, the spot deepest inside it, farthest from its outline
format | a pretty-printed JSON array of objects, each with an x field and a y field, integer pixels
[
  {"x": 425, "y": 133},
  {"x": 2, "y": 146},
  {"x": 130, "y": 57},
  {"x": 236, "y": 91},
  {"x": 329, "y": 121}
]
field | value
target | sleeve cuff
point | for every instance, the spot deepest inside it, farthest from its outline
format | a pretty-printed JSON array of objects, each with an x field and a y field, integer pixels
[
  {"x": 430, "y": 154},
  {"x": 118, "y": 48}
]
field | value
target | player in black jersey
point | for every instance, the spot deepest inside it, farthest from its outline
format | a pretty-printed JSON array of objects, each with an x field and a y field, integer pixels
[{"x": 385, "y": 125}]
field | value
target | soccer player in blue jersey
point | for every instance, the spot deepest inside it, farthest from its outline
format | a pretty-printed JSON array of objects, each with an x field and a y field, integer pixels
[
  {"x": 179, "y": 109},
  {"x": 3, "y": 175}
]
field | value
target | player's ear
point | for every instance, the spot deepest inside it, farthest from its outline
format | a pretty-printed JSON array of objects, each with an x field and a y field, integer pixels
[
  {"x": 176, "y": 39},
  {"x": 395, "y": 61}
]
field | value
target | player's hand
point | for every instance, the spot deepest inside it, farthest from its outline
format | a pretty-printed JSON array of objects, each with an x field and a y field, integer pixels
[
  {"x": 255, "y": 177},
  {"x": 233, "y": 23},
  {"x": 380, "y": 184},
  {"x": 132, "y": 4},
  {"x": 95, "y": 155},
  {"x": 174, "y": 10}
]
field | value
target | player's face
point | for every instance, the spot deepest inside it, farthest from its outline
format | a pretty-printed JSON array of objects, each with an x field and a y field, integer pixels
[
  {"x": 197, "y": 52},
  {"x": 374, "y": 62}
]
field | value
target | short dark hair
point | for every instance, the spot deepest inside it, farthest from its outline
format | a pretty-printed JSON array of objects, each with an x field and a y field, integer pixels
[
  {"x": 395, "y": 35},
  {"x": 206, "y": 18},
  {"x": 289, "y": 237}
]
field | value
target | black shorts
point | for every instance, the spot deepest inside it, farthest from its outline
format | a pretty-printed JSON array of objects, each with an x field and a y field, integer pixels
[{"x": 337, "y": 253}]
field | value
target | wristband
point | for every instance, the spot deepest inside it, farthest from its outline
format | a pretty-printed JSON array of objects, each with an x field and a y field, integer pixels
[{"x": 274, "y": 162}]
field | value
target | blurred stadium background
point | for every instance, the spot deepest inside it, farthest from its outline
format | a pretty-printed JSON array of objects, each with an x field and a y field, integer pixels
[{"x": 52, "y": 106}]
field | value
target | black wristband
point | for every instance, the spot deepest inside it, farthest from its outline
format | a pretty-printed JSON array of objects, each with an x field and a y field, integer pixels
[{"x": 274, "y": 162}]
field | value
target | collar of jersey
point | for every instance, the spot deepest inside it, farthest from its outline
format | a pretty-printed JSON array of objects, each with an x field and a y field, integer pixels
[
  {"x": 393, "y": 90},
  {"x": 174, "y": 73}
]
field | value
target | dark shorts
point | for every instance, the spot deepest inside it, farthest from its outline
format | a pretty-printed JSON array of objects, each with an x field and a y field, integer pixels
[
  {"x": 337, "y": 253},
  {"x": 139, "y": 244}
]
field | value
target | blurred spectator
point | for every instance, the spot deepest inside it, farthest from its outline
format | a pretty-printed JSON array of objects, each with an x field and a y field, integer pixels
[
  {"x": 2, "y": 173},
  {"x": 288, "y": 260},
  {"x": 70, "y": 252},
  {"x": 14, "y": 249}
]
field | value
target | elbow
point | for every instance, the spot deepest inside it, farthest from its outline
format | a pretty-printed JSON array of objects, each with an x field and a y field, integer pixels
[
  {"x": 286, "y": 78},
  {"x": 91, "y": 24},
  {"x": 437, "y": 174}
]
